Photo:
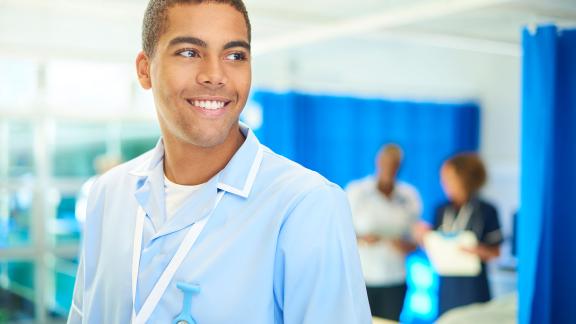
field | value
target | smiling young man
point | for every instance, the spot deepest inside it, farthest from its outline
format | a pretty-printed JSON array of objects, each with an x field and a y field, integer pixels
[{"x": 211, "y": 226}]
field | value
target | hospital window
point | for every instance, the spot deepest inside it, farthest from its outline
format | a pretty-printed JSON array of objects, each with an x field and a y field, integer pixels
[{"x": 57, "y": 118}]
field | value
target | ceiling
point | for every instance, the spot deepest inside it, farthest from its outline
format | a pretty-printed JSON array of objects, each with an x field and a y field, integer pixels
[{"x": 109, "y": 29}]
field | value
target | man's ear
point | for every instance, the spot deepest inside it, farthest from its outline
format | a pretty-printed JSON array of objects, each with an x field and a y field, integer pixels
[{"x": 143, "y": 70}]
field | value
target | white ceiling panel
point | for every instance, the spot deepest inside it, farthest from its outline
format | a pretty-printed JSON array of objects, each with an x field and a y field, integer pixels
[{"x": 110, "y": 29}]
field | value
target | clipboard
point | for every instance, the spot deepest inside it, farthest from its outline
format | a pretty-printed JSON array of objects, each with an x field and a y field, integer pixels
[{"x": 446, "y": 254}]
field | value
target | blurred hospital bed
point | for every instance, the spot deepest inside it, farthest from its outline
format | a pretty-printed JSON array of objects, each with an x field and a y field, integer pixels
[{"x": 502, "y": 310}]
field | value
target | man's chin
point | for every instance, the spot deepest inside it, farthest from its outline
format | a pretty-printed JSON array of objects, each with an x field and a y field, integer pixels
[{"x": 207, "y": 140}]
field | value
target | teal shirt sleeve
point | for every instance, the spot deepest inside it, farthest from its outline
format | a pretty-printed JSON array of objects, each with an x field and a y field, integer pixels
[{"x": 318, "y": 278}]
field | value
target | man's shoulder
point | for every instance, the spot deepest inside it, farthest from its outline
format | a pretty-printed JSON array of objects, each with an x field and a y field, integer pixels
[
  {"x": 282, "y": 173},
  {"x": 405, "y": 188},
  {"x": 405, "y": 185},
  {"x": 302, "y": 193},
  {"x": 366, "y": 183}
]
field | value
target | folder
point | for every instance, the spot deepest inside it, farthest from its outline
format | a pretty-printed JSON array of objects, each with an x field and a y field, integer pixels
[{"x": 447, "y": 256}]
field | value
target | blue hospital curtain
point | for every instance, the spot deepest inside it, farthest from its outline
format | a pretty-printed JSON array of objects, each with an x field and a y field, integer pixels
[
  {"x": 340, "y": 136},
  {"x": 547, "y": 217}
]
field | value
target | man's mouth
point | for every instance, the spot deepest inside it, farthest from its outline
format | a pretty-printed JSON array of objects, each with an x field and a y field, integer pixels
[{"x": 208, "y": 104}]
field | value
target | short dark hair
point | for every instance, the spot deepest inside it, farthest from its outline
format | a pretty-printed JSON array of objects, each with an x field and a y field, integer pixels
[
  {"x": 470, "y": 169},
  {"x": 156, "y": 19}
]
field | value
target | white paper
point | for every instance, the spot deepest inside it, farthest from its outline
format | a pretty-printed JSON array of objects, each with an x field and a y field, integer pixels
[{"x": 448, "y": 258}]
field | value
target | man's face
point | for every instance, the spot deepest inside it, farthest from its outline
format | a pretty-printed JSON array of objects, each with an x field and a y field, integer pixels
[
  {"x": 200, "y": 73},
  {"x": 388, "y": 166}
]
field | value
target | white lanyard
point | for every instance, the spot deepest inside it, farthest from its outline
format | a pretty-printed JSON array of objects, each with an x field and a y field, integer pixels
[
  {"x": 457, "y": 222},
  {"x": 160, "y": 287}
]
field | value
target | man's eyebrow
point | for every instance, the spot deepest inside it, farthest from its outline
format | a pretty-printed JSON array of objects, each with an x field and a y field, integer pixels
[
  {"x": 188, "y": 40},
  {"x": 201, "y": 43},
  {"x": 238, "y": 43}
]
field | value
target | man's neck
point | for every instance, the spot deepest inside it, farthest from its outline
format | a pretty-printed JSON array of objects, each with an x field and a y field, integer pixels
[
  {"x": 386, "y": 188},
  {"x": 189, "y": 164}
]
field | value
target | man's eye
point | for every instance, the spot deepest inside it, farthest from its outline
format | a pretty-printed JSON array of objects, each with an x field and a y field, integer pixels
[
  {"x": 188, "y": 53},
  {"x": 239, "y": 56}
]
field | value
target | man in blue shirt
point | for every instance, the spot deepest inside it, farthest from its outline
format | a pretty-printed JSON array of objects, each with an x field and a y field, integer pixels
[{"x": 211, "y": 226}]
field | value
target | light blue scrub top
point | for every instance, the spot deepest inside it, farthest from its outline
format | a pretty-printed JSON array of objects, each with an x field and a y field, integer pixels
[{"x": 279, "y": 247}]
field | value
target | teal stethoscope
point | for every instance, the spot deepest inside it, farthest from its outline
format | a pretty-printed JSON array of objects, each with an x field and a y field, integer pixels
[{"x": 185, "y": 317}]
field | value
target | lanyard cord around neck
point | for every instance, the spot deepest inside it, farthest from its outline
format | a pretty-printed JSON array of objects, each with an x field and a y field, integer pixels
[
  {"x": 159, "y": 288},
  {"x": 454, "y": 223}
]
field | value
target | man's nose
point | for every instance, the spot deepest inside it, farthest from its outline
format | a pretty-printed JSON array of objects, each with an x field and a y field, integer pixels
[{"x": 212, "y": 74}]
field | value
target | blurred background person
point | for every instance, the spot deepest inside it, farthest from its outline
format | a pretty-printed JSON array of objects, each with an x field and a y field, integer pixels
[
  {"x": 383, "y": 211},
  {"x": 462, "y": 176}
]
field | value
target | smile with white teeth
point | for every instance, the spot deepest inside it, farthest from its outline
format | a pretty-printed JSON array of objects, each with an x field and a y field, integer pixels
[{"x": 209, "y": 104}]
